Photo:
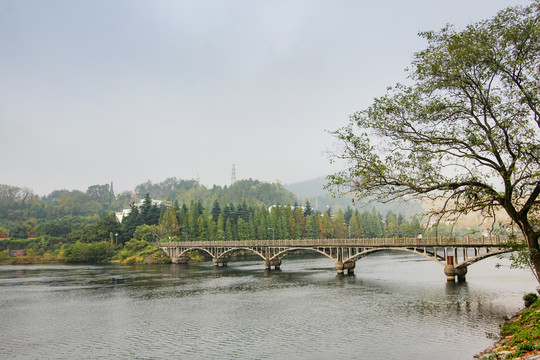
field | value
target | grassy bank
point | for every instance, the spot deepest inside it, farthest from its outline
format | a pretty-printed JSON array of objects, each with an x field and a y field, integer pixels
[{"x": 520, "y": 337}]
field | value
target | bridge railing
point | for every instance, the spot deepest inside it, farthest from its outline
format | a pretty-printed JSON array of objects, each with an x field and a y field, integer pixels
[{"x": 466, "y": 241}]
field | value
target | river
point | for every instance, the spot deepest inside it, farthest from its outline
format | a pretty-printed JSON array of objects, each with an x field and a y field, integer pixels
[{"x": 396, "y": 306}]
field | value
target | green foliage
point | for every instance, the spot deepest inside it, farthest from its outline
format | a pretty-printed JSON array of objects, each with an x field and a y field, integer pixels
[
  {"x": 73, "y": 216},
  {"x": 60, "y": 227},
  {"x": 465, "y": 133},
  {"x": 3, "y": 232},
  {"x": 253, "y": 192},
  {"x": 103, "y": 194},
  {"x": 525, "y": 328},
  {"x": 136, "y": 245},
  {"x": 138, "y": 251},
  {"x": 96, "y": 252},
  {"x": 19, "y": 231},
  {"x": 529, "y": 299},
  {"x": 4, "y": 255},
  {"x": 99, "y": 231},
  {"x": 146, "y": 233},
  {"x": 135, "y": 249},
  {"x": 39, "y": 245},
  {"x": 169, "y": 221}
]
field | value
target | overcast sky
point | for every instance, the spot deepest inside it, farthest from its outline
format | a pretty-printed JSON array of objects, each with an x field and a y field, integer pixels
[{"x": 128, "y": 91}]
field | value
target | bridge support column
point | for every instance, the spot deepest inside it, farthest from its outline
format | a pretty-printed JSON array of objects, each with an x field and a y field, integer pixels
[
  {"x": 339, "y": 267},
  {"x": 276, "y": 263},
  {"x": 449, "y": 269},
  {"x": 349, "y": 266},
  {"x": 183, "y": 259},
  {"x": 180, "y": 259},
  {"x": 267, "y": 263},
  {"x": 461, "y": 271},
  {"x": 452, "y": 271},
  {"x": 217, "y": 262}
]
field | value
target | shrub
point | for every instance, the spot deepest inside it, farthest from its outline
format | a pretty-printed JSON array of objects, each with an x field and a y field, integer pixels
[
  {"x": 4, "y": 255},
  {"x": 88, "y": 253},
  {"x": 530, "y": 299}
]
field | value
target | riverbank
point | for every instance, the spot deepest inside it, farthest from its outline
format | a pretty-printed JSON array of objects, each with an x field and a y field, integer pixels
[
  {"x": 30, "y": 260},
  {"x": 520, "y": 337},
  {"x": 122, "y": 257}
]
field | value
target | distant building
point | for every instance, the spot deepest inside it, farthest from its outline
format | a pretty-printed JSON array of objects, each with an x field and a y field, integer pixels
[
  {"x": 121, "y": 214},
  {"x": 125, "y": 212}
]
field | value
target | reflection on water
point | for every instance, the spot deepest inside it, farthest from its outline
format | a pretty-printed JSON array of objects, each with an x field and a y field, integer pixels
[{"x": 396, "y": 306}]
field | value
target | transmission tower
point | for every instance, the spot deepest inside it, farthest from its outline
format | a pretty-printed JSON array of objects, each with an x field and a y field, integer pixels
[{"x": 233, "y": 175}]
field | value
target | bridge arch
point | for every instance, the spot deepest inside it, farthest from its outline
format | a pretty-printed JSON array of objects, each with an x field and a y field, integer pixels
[
  {"x": 426, "y": 254},
  {"x": 483, "y": 256},
  {"x": 228, "y": 252},
  {"x": 285, "y": 252},
  {"x": 195, "y": 248}
]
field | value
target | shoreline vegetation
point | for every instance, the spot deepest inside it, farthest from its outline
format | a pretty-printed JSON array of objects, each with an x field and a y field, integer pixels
[
  {"x": 519, "y": 336},
  {"x": 132, "y": 252}
]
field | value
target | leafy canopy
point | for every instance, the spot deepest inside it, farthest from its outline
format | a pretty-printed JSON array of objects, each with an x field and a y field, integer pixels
[{"x": 466, "y": 129}]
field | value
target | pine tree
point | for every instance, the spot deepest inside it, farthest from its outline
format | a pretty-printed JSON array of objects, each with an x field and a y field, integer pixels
[
  {"x": 327, "y": 226},
  {"x": 220, "y": 228},
  {"x": 300, "y": 223},
  {"x": 392, "y": 225},
  {"x": 216, "y": 211},
  {"x": 309, "y": 227},
  {"x": 308, "y": 210},
  {"x": 340, "y": 228},
  {"x": 202, "y": 228},
  {"x": 229, "y": 235},
  {"x": 242, "y": 229},
  {"x": 348, "y": 214},
  {"x": 146, "y": 210}
]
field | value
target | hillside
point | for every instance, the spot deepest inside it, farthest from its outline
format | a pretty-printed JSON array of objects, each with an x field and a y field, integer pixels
[{"x": 320, "y": 199}]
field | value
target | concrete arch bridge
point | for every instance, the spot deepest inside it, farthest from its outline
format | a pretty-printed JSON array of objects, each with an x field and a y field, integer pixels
[{"x": 453, "y": 253}]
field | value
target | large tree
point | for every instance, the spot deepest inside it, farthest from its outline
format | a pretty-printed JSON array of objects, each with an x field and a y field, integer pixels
[{"x": 464, "y": 130}]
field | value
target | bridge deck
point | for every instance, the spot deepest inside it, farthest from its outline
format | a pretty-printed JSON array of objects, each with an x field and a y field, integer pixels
[{"x": 466, "y": 241}]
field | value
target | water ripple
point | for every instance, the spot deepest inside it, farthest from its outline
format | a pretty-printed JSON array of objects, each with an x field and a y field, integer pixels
[{"x": 305, "y": 311}]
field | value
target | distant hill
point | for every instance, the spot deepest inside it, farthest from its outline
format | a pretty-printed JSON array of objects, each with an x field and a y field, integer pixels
[
  {"x": 320, "y": 199},
  {"x": 308, "y": 188}
]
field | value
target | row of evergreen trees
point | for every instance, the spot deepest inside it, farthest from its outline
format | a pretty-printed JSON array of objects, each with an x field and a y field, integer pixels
[{"x": 241, "y": 222}]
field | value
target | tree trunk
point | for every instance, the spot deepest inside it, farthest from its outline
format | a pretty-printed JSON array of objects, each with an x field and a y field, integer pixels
[{"x": 534, "y": 253}]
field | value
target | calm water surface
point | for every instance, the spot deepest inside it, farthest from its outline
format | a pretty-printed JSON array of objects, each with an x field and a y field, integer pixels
[{"x": 397, "y": 306}]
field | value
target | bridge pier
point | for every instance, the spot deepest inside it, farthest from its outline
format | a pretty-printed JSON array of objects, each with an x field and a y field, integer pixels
[
  {"x": 451, "y": 271},
  {"x": 180, "y": 260},
  {"x": 276, "y": 263},
  {"x": 349, "y": 266},
  {"x": 217, "y": 261},
  {"x": 339, "y": 267},
  {"x": 461, "y": 271}
]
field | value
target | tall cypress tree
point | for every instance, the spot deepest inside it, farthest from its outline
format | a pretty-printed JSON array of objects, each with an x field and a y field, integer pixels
[
  {"x": 308, "y": 209},
  {"x": 216, "y": 211}
]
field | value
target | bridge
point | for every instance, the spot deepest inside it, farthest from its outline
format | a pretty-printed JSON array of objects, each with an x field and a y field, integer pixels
[{"x": 453, "y": 253}]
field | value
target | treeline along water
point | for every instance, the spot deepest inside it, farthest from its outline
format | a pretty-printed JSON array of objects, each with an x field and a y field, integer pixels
[{"x": 397, "y": 306}]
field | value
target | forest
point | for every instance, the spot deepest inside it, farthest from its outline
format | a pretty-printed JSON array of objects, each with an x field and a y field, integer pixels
[
  {"x": 181, "y": 210},
  {"x": 186, "y": 210}
]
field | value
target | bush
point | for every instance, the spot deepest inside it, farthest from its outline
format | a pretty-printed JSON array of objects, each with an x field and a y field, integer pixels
[
  {"x": 134, "y": 245},
  {"x": 4, "y": 255},
  {"x": 530, "y": 299},
  {"x": 88, "y": 253}
]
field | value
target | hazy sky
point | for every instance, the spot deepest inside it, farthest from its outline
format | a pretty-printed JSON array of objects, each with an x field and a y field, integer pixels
[{"x": 127, "y": 91}]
